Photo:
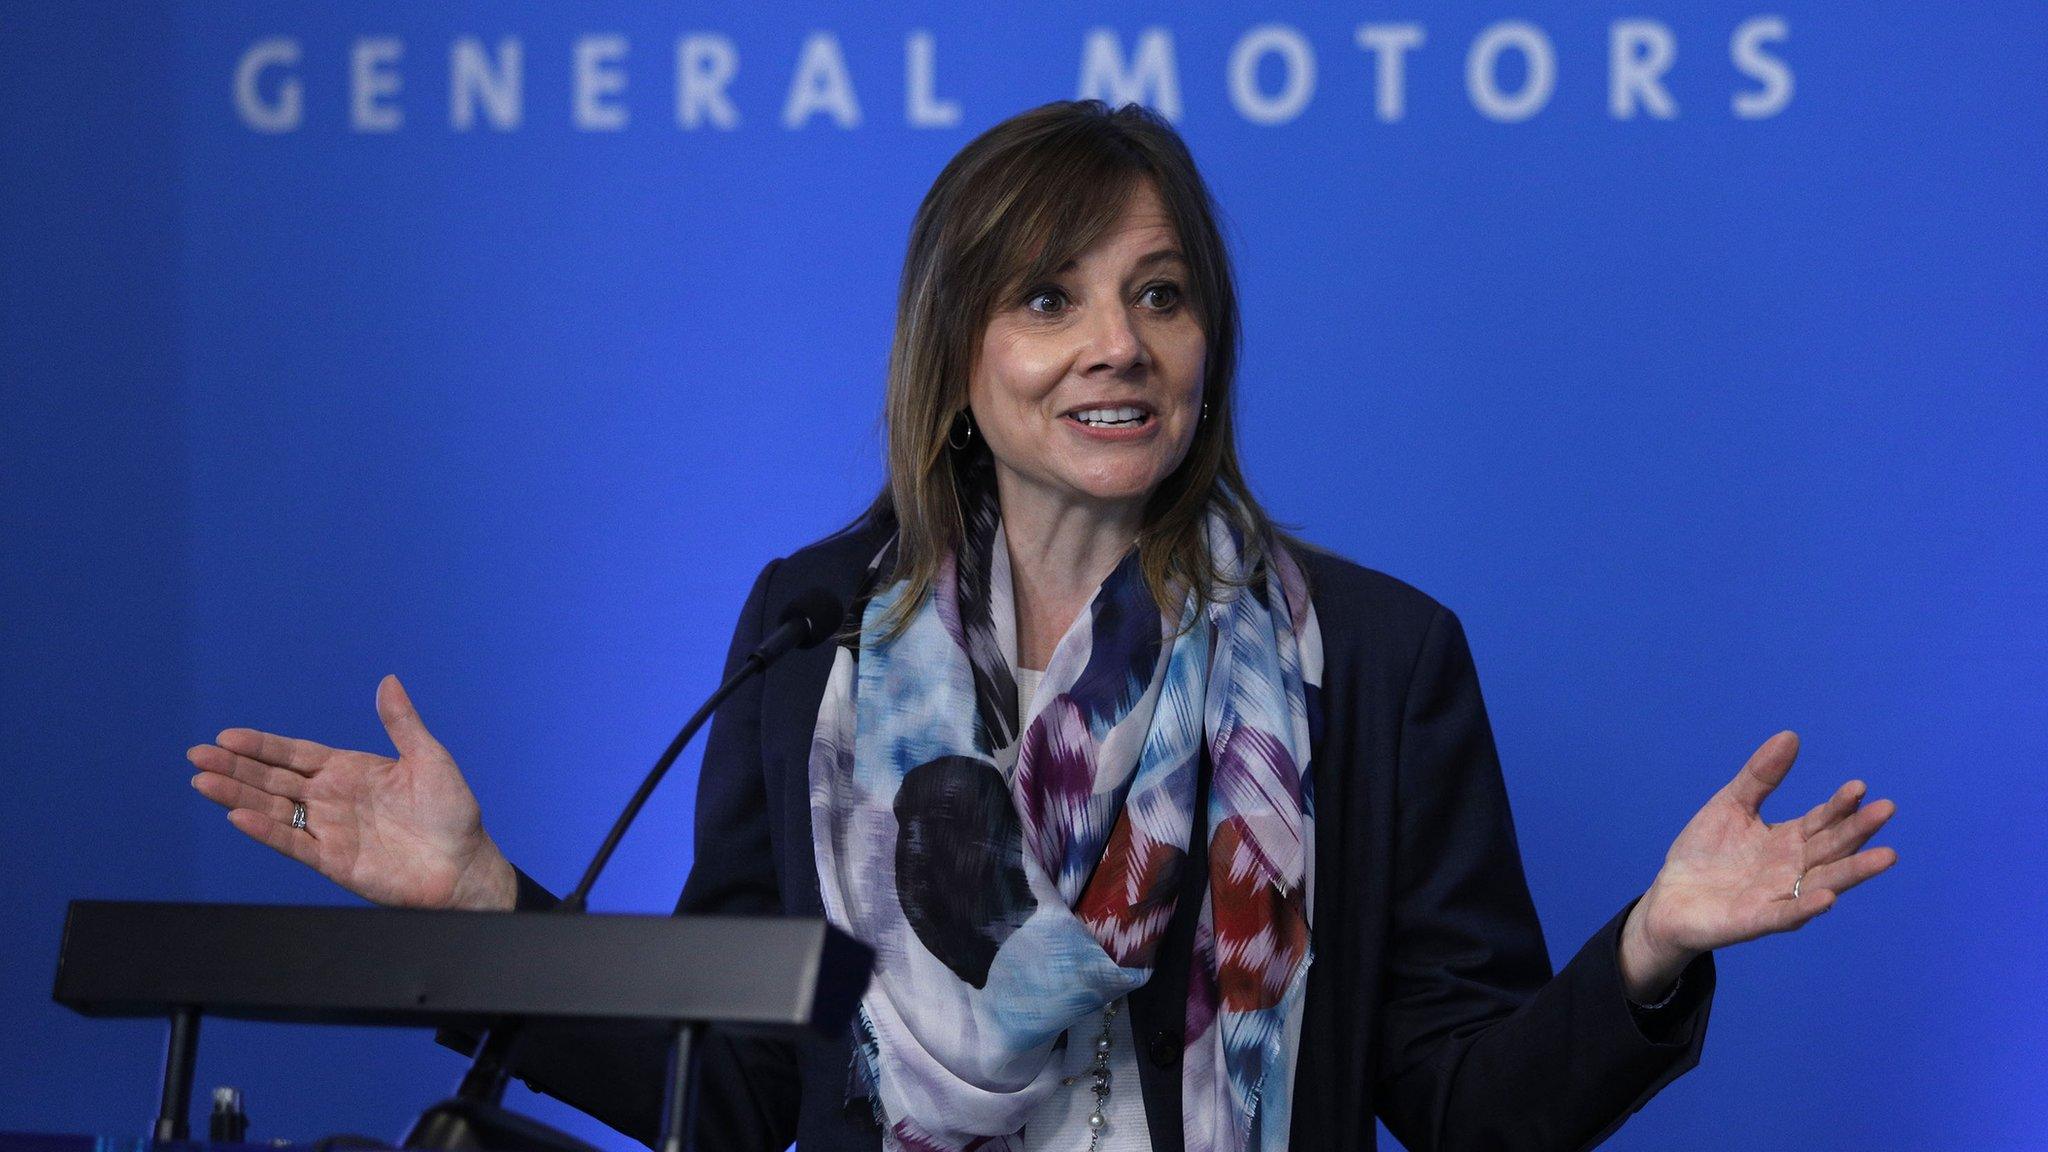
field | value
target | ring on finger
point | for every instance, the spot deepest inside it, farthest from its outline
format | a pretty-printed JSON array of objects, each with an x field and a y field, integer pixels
[{"x": 299, "y": 822}]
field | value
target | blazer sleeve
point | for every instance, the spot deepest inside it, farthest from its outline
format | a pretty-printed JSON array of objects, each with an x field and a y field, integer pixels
[
  {"x": 748, "y": 1088},
  {"x": 1481, "y": 1046}
]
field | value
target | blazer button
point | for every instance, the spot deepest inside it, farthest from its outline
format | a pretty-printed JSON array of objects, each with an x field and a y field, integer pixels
[{"x": 1164, "y": 1049}]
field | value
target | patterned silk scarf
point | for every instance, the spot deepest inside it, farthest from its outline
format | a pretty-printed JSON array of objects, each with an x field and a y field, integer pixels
[{"x": 1013, "y": 883}]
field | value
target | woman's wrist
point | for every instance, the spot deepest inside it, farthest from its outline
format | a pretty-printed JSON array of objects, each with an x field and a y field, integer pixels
[
  {"x": 487, "y": 882},
  {"x": 1649, "y": 968}
]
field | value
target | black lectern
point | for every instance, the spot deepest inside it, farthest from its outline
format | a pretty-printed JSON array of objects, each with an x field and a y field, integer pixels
[{"x": 466, "y": 970}]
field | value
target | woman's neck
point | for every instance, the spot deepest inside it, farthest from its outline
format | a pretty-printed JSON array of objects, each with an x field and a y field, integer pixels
[{"x": 1060, "y": 553}]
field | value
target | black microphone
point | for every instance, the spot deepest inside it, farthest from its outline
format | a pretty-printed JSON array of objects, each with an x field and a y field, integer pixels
[
  {"x": 809, "y": 621},
  {"x": 810, "y": 618},
  {"x": 473, "y": 1119}
]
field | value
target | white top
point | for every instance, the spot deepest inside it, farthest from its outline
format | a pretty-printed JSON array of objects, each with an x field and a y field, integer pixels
[{"x": 1061, "y": 1123}]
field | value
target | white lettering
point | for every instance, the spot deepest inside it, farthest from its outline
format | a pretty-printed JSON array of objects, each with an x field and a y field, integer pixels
[
  {"x": 597, "y": 80},
  {"x": 288, "y": 111},
  {"x": 370, "y": 81},
  {"x": 1387, "y": 42},
  {"x": 1745, "y": 49},
  {"x": 922, "y": 108},
  {"x": 705, "y": 63},
  {"x": 821, "y": 84},
  {"x": 1639, "y": 52},
  {"x": 1271, "y": 76},
  {"x": 1298, "y": 62},
  {"x": 1482, "y": 85},
  {"x": 1152, "y": 80},
  {"x": 471, "y": 79}
]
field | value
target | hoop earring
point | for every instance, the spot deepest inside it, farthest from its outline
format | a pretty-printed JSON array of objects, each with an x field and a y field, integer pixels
[{"x": 960, "y": 443}]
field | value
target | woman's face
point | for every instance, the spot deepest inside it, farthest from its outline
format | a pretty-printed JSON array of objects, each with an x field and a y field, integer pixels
[{"x": 1088, "y": 386}]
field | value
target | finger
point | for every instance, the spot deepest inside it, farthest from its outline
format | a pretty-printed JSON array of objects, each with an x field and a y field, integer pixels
[
  {"x": 282, "y": 837},
  {"x": 301, "y": 756},
  {"x": 230, "y": 793},
  {"x": 1828, "y": 811},
  {"x": 1843, "y": 875},
  {"x": 256, "y": 774},
  {"x": 1764, "y": 771},
  {"x": 402, "y": 721},
  {"x": 1847, "y": 836}
]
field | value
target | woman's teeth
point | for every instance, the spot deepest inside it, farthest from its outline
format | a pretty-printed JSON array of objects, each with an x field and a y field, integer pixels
[{"x": 1111, "y": 417}]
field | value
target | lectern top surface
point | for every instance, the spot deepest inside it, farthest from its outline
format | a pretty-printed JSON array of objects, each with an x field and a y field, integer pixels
[{"x": 461, "y": 969}]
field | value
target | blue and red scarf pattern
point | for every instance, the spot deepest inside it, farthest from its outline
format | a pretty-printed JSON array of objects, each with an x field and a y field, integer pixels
[{"x": 1013, "y": 879}]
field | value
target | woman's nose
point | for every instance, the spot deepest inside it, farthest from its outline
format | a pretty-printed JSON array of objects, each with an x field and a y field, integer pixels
[{"x": 1113, "y": 341}]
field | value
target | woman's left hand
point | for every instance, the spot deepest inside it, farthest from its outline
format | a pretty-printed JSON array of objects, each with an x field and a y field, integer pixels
[{"x": 1730, "y": 877}]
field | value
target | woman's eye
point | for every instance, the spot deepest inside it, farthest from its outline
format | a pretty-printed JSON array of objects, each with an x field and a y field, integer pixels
[
  {"x": 1166, "y": 295},
  {"x": 1053, "y": 294}
]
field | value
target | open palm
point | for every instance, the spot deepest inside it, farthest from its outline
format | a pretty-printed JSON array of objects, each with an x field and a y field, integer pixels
[
  {"x": 404, "y": 831},
  {"x": 1730, "y": 876}
]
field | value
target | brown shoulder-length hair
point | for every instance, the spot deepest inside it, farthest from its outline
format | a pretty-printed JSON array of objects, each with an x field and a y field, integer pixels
[{"x": 1022, "y": 199}]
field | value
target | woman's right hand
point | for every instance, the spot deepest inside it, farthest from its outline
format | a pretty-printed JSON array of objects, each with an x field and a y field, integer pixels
[{"x": 406, "y": 832}]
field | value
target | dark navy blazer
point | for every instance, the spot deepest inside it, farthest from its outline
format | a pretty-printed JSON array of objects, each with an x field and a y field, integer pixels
[{"x": 1430, "y": 999}]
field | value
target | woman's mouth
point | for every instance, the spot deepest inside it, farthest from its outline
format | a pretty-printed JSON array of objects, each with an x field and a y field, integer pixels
[
  {"x": 1114, "y": 423},
  {"x": 1123, "y": 417}
]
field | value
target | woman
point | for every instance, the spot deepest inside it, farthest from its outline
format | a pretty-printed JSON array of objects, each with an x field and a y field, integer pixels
[{"x": 1169, "y": 831}]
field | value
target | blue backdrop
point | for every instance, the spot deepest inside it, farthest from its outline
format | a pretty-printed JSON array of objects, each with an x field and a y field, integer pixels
[{"x": 1693, "y": 352}]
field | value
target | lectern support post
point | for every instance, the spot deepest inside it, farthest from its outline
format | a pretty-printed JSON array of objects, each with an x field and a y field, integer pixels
[
  {"x": 679, "y": 1099},
  {"x": 173, "y": 1115}
]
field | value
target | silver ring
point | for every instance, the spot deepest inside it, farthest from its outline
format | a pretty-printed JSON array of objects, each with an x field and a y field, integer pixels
[
  {"x": 1795, "y": 885},
  {"x": 299, "y": 822}
]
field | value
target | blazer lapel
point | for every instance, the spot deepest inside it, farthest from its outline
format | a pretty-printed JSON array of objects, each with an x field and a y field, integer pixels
[{"x": 790, "y": 699}]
